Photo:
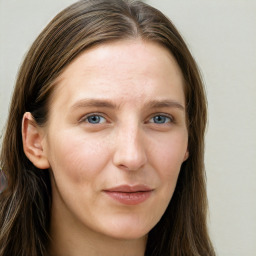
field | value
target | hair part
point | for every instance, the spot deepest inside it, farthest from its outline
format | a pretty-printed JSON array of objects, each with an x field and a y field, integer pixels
[{"x": 26, "y": 200}]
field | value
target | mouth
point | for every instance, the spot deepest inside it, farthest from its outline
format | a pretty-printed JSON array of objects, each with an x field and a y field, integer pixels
[{"x": 129, "y": 195}]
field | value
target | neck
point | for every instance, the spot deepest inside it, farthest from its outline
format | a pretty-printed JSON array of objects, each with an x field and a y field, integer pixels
[
  {"x": 69, "y": 238},
  {"x": 66, "y": 246}
]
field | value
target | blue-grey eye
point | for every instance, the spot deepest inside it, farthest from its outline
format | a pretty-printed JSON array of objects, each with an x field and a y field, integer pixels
[
  {"x": 95, "y": 119},
  {"x": 160, "y": 119}
]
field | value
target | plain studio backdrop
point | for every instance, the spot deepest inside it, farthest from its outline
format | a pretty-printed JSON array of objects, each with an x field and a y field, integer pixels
[{"x": 221, "y": 35}]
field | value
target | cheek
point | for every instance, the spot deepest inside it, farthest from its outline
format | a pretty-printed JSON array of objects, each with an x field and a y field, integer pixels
[
  {"x": 168, "y": 153},
  {"x": 76, "y": 157}
]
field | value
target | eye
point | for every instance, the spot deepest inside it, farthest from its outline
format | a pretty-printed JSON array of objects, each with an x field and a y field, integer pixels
[
  {"x": 160, "y": 119},
  {"x": 95, "y": 119}
]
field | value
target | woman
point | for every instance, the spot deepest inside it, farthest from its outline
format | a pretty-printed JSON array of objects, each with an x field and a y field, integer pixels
[{"x": 110, "y": 157}]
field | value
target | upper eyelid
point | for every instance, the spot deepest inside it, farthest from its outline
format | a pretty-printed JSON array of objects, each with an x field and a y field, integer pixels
[
  {"x": 84, "y": 117},
  {"x": 162, "y": 114}
]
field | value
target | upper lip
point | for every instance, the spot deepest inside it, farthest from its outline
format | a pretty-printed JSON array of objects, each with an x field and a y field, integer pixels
[{"x": 129, "y": 188}]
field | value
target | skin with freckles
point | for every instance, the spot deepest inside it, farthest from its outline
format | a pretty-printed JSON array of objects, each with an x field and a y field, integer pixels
[{"x": 117, "y": 118}]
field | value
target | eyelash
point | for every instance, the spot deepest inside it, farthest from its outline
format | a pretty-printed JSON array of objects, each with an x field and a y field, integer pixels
[
  {"x": 167, "y": 118},
  {"x": 85, "y": 118}
]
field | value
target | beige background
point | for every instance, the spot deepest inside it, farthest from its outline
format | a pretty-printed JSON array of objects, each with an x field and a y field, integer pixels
[{"x": 222, "y": 36}]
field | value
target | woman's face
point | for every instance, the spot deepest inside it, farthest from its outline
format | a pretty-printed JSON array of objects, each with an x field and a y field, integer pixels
[{"x": 116, "y": 138}]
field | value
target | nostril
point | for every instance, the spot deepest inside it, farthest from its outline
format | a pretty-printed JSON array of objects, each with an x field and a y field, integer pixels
[{"x": 126, "y": 168}]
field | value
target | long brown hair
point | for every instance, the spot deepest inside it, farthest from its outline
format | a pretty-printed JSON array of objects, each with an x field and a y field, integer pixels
[{"x": 26, "y": 200}]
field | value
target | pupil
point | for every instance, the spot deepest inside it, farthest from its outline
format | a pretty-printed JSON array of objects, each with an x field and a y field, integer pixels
[
  {"x": 159, "y": 119},
  {"x": 94, "y": 119}
]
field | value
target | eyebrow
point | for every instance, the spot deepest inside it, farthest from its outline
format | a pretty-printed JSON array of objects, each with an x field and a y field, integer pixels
[
  {"x": 94, "y": 103},
  {"x": 165, "y": 104},
  {"x": 84, "y": 103}
]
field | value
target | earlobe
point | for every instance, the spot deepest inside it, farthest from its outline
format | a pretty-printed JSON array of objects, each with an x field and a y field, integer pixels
[
  {"x": 186, "y": 156},
  {"x": 32, "y": 138}
]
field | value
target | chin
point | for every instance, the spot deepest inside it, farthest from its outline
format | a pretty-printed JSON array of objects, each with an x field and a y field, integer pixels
[
  {"x": 128, "y": 232},
  {"x": 129, "y": 235}
]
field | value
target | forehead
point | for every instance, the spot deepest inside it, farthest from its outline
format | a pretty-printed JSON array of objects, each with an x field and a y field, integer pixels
[{"x": 122, "y": 69}]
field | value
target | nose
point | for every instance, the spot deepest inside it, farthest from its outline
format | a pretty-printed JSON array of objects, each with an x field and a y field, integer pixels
[{"x": 130, "y": 151}]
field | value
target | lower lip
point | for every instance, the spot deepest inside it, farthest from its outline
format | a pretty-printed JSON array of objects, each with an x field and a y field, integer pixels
[{"x": 131, "y": 198}]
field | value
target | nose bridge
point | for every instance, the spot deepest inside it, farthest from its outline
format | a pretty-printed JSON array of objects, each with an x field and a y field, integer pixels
[{"x": 130, "y": 149}]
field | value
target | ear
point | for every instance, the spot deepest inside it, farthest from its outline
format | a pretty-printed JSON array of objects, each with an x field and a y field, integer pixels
[
  {"x": 186, "y": 156},
  {"x": 32, "y": 138}
]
